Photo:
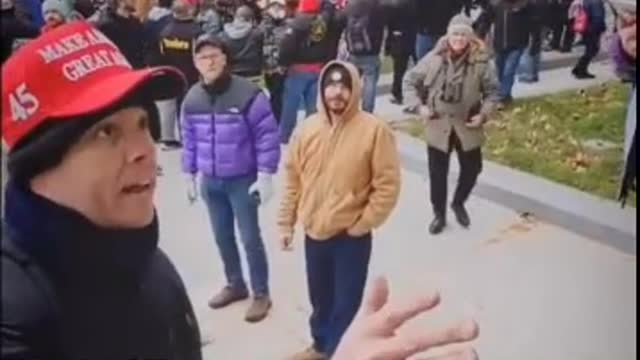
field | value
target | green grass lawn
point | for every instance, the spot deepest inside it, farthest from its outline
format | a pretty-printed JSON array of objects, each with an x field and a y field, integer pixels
[{"x": 548, "y": 137}]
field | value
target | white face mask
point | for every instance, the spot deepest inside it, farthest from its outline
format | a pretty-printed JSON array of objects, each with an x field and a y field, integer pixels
[
  {"x": 277, "y": 13},
  {"x": 7, "y": 4}
]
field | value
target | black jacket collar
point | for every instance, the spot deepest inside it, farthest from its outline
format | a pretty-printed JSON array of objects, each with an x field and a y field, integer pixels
[{"x": 71, "y": 248}]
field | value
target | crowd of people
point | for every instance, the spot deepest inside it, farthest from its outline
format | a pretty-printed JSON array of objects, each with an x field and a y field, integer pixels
[
  {"x": 282, "y": 45},
  {"x": 223, "y": 82}
]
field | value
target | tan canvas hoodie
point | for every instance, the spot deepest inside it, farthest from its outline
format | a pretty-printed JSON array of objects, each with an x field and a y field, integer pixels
[{"x": 342, "y": 174}]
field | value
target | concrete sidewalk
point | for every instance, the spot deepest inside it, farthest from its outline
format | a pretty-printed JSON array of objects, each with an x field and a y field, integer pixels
[{"x": 537, "y": 290}]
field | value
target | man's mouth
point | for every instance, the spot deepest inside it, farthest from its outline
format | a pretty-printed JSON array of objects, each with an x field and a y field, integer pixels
[{"x": 138, "y": 188}]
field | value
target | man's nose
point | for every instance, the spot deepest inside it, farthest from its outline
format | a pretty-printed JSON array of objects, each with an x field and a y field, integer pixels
[{"x": 140, "y": 147}]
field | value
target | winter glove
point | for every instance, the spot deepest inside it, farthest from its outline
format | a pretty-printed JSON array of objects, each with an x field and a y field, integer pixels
[
  {"x": 192, "y": 188},
  {"x": 262, "y": 188}
]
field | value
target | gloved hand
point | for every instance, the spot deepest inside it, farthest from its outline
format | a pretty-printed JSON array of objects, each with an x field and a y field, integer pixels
[
  {"x": 192, "y": 188},
  {"x": 263, "y": 187}
]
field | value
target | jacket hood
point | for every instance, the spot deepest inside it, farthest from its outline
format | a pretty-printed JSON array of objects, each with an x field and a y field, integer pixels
[
  {"x": 156, "y": 13},
  {"x": 478, "y": 51},
  {"x": 238, "y": 29},
  {"x": 355, "y": 102}
]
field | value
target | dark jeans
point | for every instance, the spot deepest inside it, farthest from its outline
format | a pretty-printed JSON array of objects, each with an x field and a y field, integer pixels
[
  {"x": 592, "y": 48},
  {"x": 507, "y": 62},
  {"x": 228, "y": 201},
  {"x": 369, "y": 67},
  {"x": 424, "y": 44},
  {"x": 275, "y": 86},
  {"x": 470, "y": 169},
  {"x": 337, "y": 271},
  {"x": 563, "y": 35},
  {"x": 400, "y": 66},
  {"x": 299, "y": 87}
]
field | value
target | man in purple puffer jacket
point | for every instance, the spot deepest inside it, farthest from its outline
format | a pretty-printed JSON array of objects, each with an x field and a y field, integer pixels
[{"x": 231, "y": 139}]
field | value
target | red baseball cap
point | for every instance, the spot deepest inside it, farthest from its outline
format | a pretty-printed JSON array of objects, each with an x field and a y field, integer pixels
[{"x": 71, "y": 71}]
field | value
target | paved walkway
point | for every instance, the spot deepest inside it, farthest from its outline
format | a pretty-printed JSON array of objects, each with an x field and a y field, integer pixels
[{"x": 538, "y": 291}]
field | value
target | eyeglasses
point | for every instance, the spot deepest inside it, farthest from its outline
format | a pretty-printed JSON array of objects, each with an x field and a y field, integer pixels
[{"x": 209, "y": 57}]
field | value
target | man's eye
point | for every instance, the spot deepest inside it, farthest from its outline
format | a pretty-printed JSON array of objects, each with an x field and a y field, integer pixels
[
  {"x": 143, "y": 123},
  {"x": 105, "y": 132}
]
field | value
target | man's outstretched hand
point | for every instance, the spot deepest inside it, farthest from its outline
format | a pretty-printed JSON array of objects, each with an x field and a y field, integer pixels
[{"x": 373, "y": 334}]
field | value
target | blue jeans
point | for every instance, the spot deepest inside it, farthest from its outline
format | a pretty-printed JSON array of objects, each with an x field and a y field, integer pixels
[
  {"x": 228, "y": 201},
  {"x": 337, "y": 271},
  {"x": 369, "y": 67},
  {"x": 507, "y": 62},
  {"x": 298, "y": 87},
  {"x": 529, "y": 69},
  {"x": 424, "y": 44}
]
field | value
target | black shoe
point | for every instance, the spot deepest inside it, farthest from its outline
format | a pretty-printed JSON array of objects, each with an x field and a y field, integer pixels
[
  {"x": 396, "y": 100},
  {"x": 171, "y": 145},
  {"x": 461, "y": 215},
  {"x": 437, "y": 225},
  {"x": 582, "y": 75}
]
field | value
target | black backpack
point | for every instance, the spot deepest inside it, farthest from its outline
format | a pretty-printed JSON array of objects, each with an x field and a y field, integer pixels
[{"x": 357, "y": 35}]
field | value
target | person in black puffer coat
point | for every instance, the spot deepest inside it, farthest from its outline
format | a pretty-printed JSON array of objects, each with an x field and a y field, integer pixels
[
  {"x": 310, "y": 42},
  {"x": 82, "y": 274},
  {"x": 364, "y": 32},
  {"x": 176, "y": 49},
  {"x": 517, "y": 26},
  {"x": 400, "y": 43},
  {"x": 120, "y": 25},
  {"x": 245, "y": 43}
]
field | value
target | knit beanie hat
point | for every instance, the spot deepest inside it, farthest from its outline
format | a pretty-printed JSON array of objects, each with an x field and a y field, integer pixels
[
  {"x": 337, "y": 73},
  {"x": 461, "y": 24},
  {"x": 62, "y": 7},
  {"x": 309, "y": 6}
]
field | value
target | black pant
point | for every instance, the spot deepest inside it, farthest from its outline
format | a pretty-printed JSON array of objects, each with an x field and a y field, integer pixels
[
  {"x": 470, "y": 168},
  {"x": 400, "y": 65},
  {"x": 592, "y": 47},
  {"x": 275, "y": 85},
  {"x": 563, "y": 35},
  {"x": 337, "y": 272}
]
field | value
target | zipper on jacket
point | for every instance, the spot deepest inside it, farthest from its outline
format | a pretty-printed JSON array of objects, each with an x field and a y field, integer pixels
[{"x": 506, "y": 28}]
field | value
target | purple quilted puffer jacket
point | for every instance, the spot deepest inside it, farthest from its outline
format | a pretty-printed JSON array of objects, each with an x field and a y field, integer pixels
[{"x": 231, "y": 133}]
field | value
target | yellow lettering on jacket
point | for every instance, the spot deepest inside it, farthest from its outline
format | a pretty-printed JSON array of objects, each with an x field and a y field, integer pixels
[{"x": 175, "y": 44}]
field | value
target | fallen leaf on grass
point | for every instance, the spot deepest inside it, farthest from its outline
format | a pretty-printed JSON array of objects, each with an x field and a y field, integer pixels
[{"x": 580, "y": 162}]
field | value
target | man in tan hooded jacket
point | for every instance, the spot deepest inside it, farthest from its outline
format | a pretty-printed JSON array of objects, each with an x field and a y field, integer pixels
[{"x": 342, "y": 181}]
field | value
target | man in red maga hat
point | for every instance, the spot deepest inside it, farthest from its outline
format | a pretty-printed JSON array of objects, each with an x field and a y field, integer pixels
[{"x": 82, "y": 274}]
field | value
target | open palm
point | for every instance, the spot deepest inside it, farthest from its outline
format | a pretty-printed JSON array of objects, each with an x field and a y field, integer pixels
[{"x": 373, "y": 334}]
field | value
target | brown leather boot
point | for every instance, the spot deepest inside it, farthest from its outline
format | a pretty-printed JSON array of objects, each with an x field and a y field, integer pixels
[
  {"x": 309, "y": 354},
  {"x": 259, "y": 309},
  {"x": 226, "y": 297}
]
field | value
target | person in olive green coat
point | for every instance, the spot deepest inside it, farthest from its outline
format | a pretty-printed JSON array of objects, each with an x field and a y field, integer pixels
[{"x": 454, "y": 89}]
